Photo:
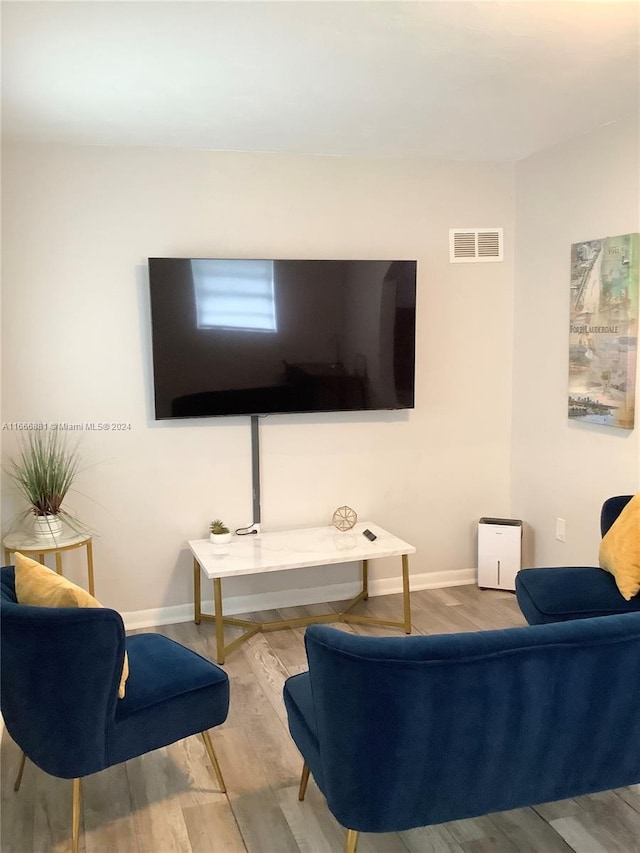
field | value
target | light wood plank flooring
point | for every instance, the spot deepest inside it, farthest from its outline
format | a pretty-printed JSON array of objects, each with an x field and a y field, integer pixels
[{"x": 168, "y": 802}]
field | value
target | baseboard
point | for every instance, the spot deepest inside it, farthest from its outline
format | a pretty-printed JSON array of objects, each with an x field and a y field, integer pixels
[{"x": 294, "y": 597}]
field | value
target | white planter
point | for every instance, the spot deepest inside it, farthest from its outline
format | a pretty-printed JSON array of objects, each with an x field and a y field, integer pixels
[
  {"x": 47, "y": 527},
  {"x": 220, "y": 538}
]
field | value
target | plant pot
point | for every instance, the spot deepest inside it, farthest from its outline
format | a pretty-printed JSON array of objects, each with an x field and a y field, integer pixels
[
  {"x": 220, "y": 538},
  {"x": 47, "y": 527}
]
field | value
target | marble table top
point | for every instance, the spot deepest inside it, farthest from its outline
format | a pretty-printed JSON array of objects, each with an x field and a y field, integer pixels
[
  {"x": 276, "y": 551},
  {"x": 27, "y": 541}
]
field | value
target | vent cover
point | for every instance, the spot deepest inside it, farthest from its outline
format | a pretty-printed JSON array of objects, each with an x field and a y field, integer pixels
[{"x": 475, "y": 245}]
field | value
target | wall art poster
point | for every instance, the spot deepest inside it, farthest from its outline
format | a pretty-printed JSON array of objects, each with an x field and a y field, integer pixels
[{"x": 603, "y": 332}]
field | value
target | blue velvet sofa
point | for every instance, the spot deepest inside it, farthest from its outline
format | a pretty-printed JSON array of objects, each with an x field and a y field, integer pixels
[
  {"x": 412, "y": 731},
  {"x": 557, "y": 594}
]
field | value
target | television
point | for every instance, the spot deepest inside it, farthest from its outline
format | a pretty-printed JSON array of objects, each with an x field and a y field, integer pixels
[{"x": 262, "y": 336}]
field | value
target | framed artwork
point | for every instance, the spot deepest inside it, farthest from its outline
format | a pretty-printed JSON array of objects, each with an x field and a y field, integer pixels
[{"x": 603, "y": 330}]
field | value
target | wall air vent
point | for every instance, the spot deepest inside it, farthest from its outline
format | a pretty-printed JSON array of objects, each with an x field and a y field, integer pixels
[{"x": 475, "y": 245}]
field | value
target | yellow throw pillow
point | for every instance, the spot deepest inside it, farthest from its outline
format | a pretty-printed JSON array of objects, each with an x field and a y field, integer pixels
[
  {"x": 620, "y": 549},
  {"x": 41, "y": 587}
]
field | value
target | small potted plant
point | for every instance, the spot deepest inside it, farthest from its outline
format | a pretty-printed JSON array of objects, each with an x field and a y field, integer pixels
[
  {"x": 43, "y": 471},
  {"x": 219, "y": 532}
]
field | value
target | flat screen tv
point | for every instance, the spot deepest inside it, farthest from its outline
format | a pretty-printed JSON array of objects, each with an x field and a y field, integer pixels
[{"x": 254, "y": 337}]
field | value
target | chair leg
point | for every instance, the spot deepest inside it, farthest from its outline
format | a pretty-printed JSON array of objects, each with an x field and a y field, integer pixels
[
  {"x": 214, "y": 760},
  {"x": 351, "y": 843},
  {"x": 16, "y": 784},
  {"x": 304, "y": 779},
  {"x": 75, "y": 815}
]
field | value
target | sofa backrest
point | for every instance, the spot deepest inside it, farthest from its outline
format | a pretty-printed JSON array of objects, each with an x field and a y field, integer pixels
[
  {"x": 611, "y": 509},
  {"x": 419, "y": 730},
  {"x": 60, "y": 670}
]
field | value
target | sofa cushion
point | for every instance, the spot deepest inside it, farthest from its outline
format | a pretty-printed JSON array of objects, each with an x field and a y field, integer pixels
[
  {"x": 38, "y": 586},
  {"x": 620, "y": 549},
  {"x": 572, "y": 592},
  {"x": 173, "y": 692}
]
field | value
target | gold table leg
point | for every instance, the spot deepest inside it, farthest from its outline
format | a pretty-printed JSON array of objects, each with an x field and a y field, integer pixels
[
  {"x": 58, "y": 562},
  {"x": 405, "y": 593},
  {"x": 345, "y": 615},
  {"x": 90, "y": 567},
  {"x": 217, "y": 599},
  {"x": 7, "y": 556},
  {"x": 365, "y": 578},
  {"x": 41, "y": 560},
  {"x": 197, "y": 599}
]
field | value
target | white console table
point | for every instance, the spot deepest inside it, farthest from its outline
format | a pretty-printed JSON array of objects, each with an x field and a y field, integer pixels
[{"x": 294, "y": 549}]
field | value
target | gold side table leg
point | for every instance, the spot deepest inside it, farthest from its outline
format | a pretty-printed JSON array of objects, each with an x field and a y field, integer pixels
[
  {"x": 90, "y": 567},
  {"x": 365, "y": 578},
  {"x": 217, "y": 600},
  {"x": 7, "y": 556},
  {"x": 58, "y": 562},
  {"x": 197, "y": 599},
  {"x": 405, "y": 593},
  {"x": 41, "y": 560}
]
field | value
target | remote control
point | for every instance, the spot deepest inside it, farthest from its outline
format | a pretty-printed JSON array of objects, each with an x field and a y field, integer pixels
[{"x": 371, "y": 536}]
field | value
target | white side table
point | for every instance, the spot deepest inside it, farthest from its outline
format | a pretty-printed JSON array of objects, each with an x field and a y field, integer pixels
[{"x": 28, "y": 544}]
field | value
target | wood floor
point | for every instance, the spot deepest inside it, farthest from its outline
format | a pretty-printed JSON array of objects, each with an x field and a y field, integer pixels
[{"x": 168, "y": 801}]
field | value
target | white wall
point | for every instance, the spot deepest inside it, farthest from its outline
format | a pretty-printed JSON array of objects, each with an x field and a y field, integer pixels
[
  {"x": 79, "y": 224},
  {"x": 584, "y": 189}
]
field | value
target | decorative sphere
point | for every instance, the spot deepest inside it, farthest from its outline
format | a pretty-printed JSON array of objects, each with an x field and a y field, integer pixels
[{"x": 344, "y": 518}]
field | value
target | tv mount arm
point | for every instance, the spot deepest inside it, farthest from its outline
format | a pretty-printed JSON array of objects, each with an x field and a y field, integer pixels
[
  {"x": 255, "y": 478},
  {"x": 255, "y": 469}
]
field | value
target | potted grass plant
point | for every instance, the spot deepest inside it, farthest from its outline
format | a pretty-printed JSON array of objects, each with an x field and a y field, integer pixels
[
  {"x": 43, "y": 470},
  {"x": 219, "y": 532}
]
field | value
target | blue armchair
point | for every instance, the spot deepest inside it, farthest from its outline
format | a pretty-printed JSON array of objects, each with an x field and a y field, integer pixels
[
  {"x": 402, "y": 732},
  {"x": 553, "y": 594},
  {"x": 60, "y": 671}
]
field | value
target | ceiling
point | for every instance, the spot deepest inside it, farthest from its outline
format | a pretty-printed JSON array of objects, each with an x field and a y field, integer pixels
[{"x": 449, "y": 79}]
